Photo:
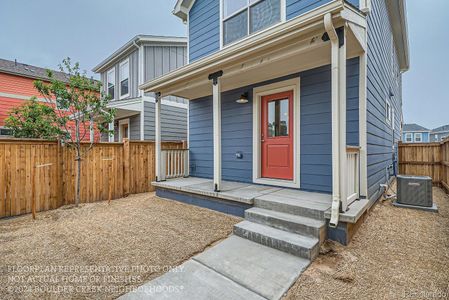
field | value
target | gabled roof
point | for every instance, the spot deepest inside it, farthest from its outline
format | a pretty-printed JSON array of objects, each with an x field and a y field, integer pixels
[
  {"x": 414, "y": 127},
  {"x": 134, "y": 43},
  {"x": 20, "y": 69},
  {"x": 441, "y": 128}
]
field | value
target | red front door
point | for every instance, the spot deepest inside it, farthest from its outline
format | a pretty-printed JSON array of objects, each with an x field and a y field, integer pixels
[{"x": 277, "y": 136}]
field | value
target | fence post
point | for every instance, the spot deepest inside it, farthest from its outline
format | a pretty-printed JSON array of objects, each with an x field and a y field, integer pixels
[{"x": 126, "y": 163}]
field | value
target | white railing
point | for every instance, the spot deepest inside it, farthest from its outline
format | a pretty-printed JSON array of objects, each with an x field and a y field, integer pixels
[
  {"x": 174, "y": 163},
  {"x": 352, "y": 155}
]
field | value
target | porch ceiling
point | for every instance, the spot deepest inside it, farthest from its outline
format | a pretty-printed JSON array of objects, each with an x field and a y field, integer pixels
[{"x": 289, "y": 48}]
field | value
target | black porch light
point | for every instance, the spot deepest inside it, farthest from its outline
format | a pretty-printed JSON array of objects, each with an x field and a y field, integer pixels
[{"x": 243, "y": 99}]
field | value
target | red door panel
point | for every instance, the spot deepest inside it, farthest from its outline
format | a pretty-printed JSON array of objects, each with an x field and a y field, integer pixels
[{"x": 277, "y": 136}]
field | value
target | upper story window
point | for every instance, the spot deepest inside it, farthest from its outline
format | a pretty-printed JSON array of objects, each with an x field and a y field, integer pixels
[
  {"x": 124, "y": 78},
  {"x": 418, "y": 137},
  {"x": 244, "y": 17},
  {"x": 408, "y": 137},
  {"x": 110, "y": 81}
]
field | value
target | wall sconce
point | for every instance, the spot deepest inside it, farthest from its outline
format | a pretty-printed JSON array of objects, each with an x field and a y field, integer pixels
[{"x": 243, "y": 99}]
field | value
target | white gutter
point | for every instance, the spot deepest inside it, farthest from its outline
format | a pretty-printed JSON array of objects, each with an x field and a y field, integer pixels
[{"x": 335, "y": 209}]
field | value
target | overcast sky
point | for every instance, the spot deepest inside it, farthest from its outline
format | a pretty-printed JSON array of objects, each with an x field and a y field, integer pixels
[{"x": 43, "y": 32}]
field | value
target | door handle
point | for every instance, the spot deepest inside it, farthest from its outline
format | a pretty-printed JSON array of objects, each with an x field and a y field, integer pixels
[{"x": 262, "y": 141}]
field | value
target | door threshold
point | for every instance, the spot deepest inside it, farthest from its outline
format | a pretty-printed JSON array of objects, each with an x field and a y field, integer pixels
[{"x": 277, "y": 182}]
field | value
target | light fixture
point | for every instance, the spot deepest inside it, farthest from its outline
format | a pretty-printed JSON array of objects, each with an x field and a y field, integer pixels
[{"x": 243, "y": 99}]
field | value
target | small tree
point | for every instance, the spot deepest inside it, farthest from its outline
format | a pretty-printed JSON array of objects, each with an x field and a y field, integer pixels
[
  {"x": 78, "y": 104},
  {"x": 33, "y": 120}
]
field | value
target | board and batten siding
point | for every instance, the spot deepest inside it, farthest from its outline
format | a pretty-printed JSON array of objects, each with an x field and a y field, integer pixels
[
  {"x": 237, "y": 126},
  {"x": 161, "y": 59},
  {"x": 383, "y": 77}
]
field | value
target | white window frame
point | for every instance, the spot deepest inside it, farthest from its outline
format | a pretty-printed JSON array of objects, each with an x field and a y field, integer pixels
[
  {"x": 392, "y": 119},
  {"x": 420, "y": 137},
  {"x": 108, "y": 73},
  {"x": 283, "y": 18},
  {"x": 120, "y": 129},
  {"x": 407, "y": 135},
  {"x": 278, "y": 87},
  {"x": 126, "y": 61},
  {"x": 388, "y": 109}
]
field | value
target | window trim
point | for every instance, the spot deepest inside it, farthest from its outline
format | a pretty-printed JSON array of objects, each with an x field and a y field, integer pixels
[
  {"x": 120, "y": 129},
  {"x": 125, "y": 61},
  {"x": 283, "y": 18},
  {"x": 409, "y": 134},
  {"x": 420, "y": 136},
  {"x": 388, "y": 110},
  {"x": 107, "y": 81}
]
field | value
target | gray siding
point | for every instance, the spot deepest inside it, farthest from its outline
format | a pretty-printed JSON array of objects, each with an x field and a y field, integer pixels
[
  {"x": 173, "y": 122},
  {"x": 160, "y": 60},
  {"x": 383, "y": 76},
  {"x": 315, "y": 136}
]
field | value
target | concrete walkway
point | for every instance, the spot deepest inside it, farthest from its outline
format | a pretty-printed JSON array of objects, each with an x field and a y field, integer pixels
[{"x": 234, "y": 269}]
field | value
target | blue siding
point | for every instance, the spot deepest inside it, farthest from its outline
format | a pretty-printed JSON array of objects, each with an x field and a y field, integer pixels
[
  {"x": 204, "y": 28},
  {"x": 382, "y": 78},
  {"x": 299, "y": 7},
  {"x": 315, "y": 118}
]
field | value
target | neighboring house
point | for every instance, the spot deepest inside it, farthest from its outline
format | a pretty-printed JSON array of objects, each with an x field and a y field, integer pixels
[
  {"x": 440, "y": 133},
  {"x": 144, "y": 58},
  {"x": 294, "y": 107},
  {"x": 16, "y": 87},
  {"x": 414, "y": 133}
]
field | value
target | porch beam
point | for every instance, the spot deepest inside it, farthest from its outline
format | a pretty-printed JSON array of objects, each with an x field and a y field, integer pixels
[
  {"x": 157, "y": 136},
  {"x": 216, "y": 103}
]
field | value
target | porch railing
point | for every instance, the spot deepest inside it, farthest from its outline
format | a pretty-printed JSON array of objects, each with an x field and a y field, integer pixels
[
  {"x": 174, "y": 163},
  {"x": 353, "y": 169}
]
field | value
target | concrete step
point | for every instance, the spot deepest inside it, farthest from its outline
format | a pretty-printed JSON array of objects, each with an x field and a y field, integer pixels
[
  {"x": 299, "y": 207},
  {"x": 298, "y": 245},
  {"x": 288, "y": 222}
]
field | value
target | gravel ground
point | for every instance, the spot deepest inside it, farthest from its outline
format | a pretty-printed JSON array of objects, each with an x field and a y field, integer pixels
[
  {"x": 396, "y": 254},
  {"x": 102, "y": 251}
]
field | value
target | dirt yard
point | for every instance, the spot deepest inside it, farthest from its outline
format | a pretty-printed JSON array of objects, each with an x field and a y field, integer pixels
[
  {"x": 396, "y": 254},
  {"x": 100, "y": 250}
]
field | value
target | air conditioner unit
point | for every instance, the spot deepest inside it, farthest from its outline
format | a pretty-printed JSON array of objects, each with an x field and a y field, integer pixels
[{"x": 415, "y": 192}]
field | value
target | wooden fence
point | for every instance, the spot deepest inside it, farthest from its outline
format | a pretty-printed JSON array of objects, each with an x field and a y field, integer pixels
[
  {"x": 426, "y": 159},
  {"x": 45, "y": 171}
]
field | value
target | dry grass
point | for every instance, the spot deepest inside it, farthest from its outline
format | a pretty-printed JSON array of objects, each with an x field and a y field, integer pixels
[
  {"x": 396, "y": 254},
  {"x": 141, "y": 230}
]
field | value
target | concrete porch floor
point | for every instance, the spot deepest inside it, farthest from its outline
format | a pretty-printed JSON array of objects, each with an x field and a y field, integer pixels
[{"x": 239, "y": 192}]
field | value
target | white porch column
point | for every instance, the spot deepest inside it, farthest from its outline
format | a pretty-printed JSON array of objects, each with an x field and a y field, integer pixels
[
  {"x": 216, "y": 95},
  {"x": 342, "y": 120},
  {"x": 91, "y": 129},
  {"x": 157, "y": 135},
  {"x": 362, "y": 127},
  {"x": 111, "y": 129}
]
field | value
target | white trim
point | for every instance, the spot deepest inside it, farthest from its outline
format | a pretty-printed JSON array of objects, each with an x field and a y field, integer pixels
[
  {"x": 141, "y": 68},
  {"x": 125, "y": 61},
  {"x": 363, "y": 125},
  {"x": 278, "y": 87},
  {"x": 216, "y": 100},
  {"x": 365, "y": 6},
  {"x": 406, "y": 135},
  {"x": 420, "y": 137},
  {"x": 111, "y": 136},
  {"x": 120, "y": 133},
  {"x": 142, "y": 122},
  {"x": 388, "y": 111},
  {"x": 157, "y": 135}
]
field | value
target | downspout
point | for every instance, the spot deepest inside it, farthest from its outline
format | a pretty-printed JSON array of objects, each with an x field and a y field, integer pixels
[{"x": 335, "y": 209}]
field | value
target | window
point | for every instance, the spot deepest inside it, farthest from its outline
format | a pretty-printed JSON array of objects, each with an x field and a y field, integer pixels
[
  {"x": 392, "y": 119},
  {"x": 436, "y": 137},
  {"x": 418, "y": 137},
  {"x": 278, "y": 118},
  {"x": 243, "y": 17},
  {"x": 408, "y": 137},
  {"x": 124, "y": 78},
  {"x": 110, "y": 81},
  {"x": 388, "y": 112}
]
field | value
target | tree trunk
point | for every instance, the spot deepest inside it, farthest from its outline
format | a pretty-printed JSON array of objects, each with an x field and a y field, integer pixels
[{"x": 78, "y": 162}]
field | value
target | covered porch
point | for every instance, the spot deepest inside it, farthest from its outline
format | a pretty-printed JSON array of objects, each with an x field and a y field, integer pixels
[{"x": 306, "y": 58}]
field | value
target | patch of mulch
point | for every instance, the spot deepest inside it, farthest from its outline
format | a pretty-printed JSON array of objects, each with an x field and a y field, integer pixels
[
  {"x": 101, "y": 251},
  {"x": 397, "y": 253}
]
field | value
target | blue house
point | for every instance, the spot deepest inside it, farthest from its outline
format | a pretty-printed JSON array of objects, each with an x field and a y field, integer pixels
[
  {"x": 414, "y": 133},
  {"x": 294, "y": 114},
  {"x": 440, "y": 133}
]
